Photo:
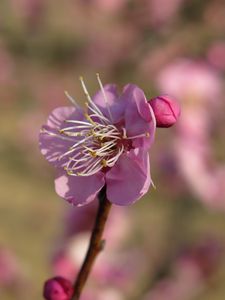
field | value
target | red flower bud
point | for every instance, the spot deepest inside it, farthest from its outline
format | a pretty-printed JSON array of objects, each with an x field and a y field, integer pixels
[
  {"x": 166, "y": 110},
  {"x": 58, "y": 288}
]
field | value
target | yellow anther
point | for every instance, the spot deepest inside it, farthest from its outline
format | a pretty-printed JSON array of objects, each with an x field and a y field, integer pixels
[
  {"x": 93, "y": 153},
  {"x": 61, "y": 131},
  {"x": 89, "y": 119},
  {"x": 147, "y": 134},
  {"x": 69, "y": 172},
  {"x": 104, "y": 163}
]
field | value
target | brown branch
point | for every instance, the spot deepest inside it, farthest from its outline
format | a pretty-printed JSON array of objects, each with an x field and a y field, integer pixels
[{"x": 95, "y": 246}]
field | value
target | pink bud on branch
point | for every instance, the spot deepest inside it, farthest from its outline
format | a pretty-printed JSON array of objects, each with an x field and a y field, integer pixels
[
  {"x": 166, "y": 110},
  {"x": 58, "y": 288}
]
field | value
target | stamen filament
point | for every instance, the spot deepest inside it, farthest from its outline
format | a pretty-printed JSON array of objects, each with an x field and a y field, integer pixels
[
  {"x": 43, "y": 130},
  {"x": 89, "y": 97},
  {"x": 104, "y": 97},
  {"x": 78, "y": 122},
  {"x": 146, "y": 134},
  {"x": 71, "y": 99}
]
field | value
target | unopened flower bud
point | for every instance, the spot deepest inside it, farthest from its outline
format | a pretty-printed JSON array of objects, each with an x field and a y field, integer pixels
[
  {"x": 58, "y": 288},
  {"x": 166, "y": 110}
]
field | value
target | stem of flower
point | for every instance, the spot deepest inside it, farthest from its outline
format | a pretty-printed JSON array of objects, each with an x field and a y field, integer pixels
[{"x": 96, "y": 244}]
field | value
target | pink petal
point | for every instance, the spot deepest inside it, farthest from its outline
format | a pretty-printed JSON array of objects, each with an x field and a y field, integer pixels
[
  {"x": 139, "y": 117},
  {"x": 113, "y": 103},
  {"x": 129, "y": 179},
  {"x": 58, "y": 115},
  {"x": 52, "y": 146},
  {"x": 79, "y": 190}
]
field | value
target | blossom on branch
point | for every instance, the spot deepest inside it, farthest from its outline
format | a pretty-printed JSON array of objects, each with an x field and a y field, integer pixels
[{"x": 105, "y": 144}]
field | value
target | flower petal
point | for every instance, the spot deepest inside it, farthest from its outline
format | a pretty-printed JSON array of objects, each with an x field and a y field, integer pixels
[
  {"x": 139, "y": 117},
  {"x": 79, "y": 190},
  {"x": 129, "y": 179},
  {"x": 52, "y": 143},
  {"x": 113, "y": 104},
  {"x": 58, "y": 115}
]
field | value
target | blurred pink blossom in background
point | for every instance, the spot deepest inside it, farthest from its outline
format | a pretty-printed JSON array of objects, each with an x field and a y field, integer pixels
[
  {"x": 162, "y": 11},
  {"x": 216, "y": 55},
  {"x": 11, "y": 273},
  {"x": 114, "y": 267},
  {"x": 200, "y": 89},
  {"x": 191, "y": 81},
  {"x": 189, "y": 273}
]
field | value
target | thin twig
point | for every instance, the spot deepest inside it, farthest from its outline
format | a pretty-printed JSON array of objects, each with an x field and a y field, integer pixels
[{"x": 95, "y": 246}]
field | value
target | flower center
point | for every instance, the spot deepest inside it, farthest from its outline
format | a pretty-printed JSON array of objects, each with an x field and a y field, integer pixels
[{"x": 98, "y": 145}]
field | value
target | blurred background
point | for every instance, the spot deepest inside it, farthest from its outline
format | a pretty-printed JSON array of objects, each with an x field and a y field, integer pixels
[{"x": 169, "y": 245}]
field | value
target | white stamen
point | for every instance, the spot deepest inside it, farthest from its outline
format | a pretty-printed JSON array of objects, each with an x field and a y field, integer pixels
[
  {"x": 81, "y": 142},
  {"x": 71, "y": 127},
  {"x": 100, "y": 117},
  {"x": 104, "y": 97},
  {"x": 153, "y": 185},
  {"x": 106, "y": 147},
  {"x": 78, "y": 122},
  {"x": 72, "y": 100},
  {"x": 43, "y": 130},
  {"x": 114, "y": 159},
  {"x": 97, "y": 110},
  {"x": 146, "y": 134},
  {"x": 124, "y": 133},
  {"x": 91, "y": 167}
]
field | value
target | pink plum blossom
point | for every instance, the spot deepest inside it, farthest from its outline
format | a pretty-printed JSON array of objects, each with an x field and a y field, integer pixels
[
  {"x": 10, "y": 270},
  {"x": 216, "y": 55},
  {"x": 200, "y": 89},
  {"x": 105, "y": 144},
  {"x": 163, "y": 11},
  {"x": 185, "y": 78}
]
